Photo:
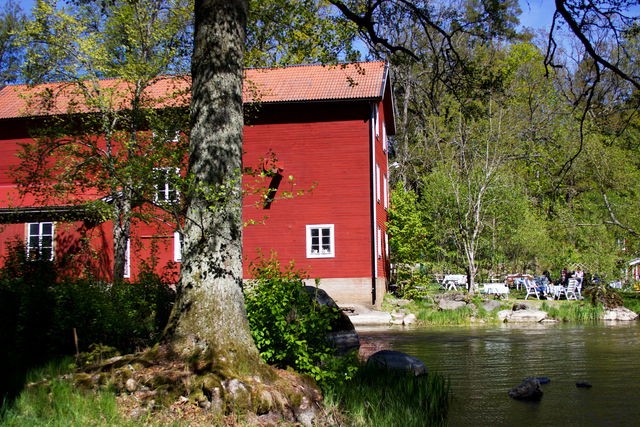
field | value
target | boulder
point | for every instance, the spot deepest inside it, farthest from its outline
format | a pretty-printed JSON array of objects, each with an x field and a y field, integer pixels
[
  {"x": 396, "y": 360},
  {"x": 450, "y": 305},
  {"x": 503, "y": 315},
  {"x": 528, "y": 316},
  {"x": 342, "y": 336},
  {"x": 529, "y": 389},
  {"x": 620, "y": 313},
  {"x": 450, "y": 296},
  {"x": 491, "y": 305},
  {"x": 409, "y": 319}
]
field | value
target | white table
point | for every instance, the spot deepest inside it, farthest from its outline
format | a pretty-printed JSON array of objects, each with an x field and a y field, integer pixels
[{"x": 495, "y": 288}]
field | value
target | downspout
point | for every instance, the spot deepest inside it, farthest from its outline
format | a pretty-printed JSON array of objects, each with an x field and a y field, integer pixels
[{"x": 372, "y": 168}]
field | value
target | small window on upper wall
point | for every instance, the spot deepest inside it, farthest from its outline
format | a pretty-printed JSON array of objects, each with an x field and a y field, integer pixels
[
  {"x": 385, "y": 143},
  {"x": 385, "y": 191},
  {"x": 165, "y": 180},
  {"x": 177, "y": 246},
  {"x": 378, "y": 182},
  {"x": 320, "y": 241},
  {"x": 167, "y": 135},
  {"x": 376, "y": 120},
  {"x": 40, "y": 241}
]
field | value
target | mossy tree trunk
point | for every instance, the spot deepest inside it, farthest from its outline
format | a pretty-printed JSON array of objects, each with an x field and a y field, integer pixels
[{"x": 209, "y": 321}]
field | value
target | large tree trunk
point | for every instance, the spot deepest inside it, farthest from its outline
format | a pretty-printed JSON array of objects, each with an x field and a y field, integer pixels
[{"x": 209, "y": 320}]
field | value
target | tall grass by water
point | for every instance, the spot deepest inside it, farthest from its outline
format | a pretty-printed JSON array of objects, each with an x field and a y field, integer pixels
[
  {"x": 574, "y": 312},
  {"x": 429, "y": 314},
  {"x": 376, "y": 397}
]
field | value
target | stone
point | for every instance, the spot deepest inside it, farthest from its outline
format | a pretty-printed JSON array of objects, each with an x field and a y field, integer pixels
[
  {"x": 519, "y": 306},
  {"x": 527, "y": 316},
  {"x": 491, "y": 305},
  {"x": 620, "y": 313},
  {"x": 342, "y": 336},
  {"x": 529, "y": 389},
  {"x": 371, "y": 318},
  {"x": 503, "y": 315},
  {"x": 450, "y": 305},
  {"x": 450, "y": 296},
  {"x": 131, "y": 385},
  {"x": 583, "y": 384},
  {"x": 395, "y": 360},
  {"x": 409, "y": 319}
]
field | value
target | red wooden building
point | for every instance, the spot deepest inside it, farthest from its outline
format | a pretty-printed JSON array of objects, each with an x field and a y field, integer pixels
[{"x": 327, "y": 127}]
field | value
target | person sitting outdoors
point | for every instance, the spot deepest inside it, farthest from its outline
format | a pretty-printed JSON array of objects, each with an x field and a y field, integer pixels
[{"x": 542, "y": 283}]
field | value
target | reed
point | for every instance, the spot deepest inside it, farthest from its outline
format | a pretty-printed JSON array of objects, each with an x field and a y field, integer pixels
[{"x": 376, "y": 397}]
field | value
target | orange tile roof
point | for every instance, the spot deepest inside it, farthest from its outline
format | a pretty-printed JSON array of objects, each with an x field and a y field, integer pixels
[{"x": 365, "y": 80}]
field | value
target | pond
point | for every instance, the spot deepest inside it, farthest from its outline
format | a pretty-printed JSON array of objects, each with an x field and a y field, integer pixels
[{"x": 483, "y": 363}]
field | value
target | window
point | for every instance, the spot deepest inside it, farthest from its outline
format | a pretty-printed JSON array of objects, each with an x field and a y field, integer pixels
[
  {"x": 127, "y": 260},
  {"x": 320, "y": 241},
  {"x": 379, "y": 242},
  {"x": 167, "y": 135},
  {"x": 177, "y": 246},
  {"x": 385, "y": 190},
  {"x": 40, "y": 241},
  {"x": 385, "y": 143},
  {"x": 165, "y": 185},
  {"x": 378, "y": 182},
  {"x": 386, "y": 245},
  {"x": 376, "y": 120}
]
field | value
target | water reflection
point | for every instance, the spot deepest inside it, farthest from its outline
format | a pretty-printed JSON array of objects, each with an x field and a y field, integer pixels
[{"x": 483, "y": 363}]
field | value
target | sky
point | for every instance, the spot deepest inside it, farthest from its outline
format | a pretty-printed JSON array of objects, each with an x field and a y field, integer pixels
[{"x": 535, "y": 13}]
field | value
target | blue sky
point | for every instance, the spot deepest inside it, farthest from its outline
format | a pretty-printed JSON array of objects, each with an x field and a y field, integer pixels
[{"x": 535, "y": 13}]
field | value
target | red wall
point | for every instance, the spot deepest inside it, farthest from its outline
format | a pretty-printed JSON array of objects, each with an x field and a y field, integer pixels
[
  {"x": 324, "y": 146},
  {"x": 328, "y": 146}
]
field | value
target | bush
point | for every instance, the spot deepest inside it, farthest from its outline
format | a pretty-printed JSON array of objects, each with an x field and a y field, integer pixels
[
  {"x": 289, "y": 328},
  {"x": 42, "y": 313}
]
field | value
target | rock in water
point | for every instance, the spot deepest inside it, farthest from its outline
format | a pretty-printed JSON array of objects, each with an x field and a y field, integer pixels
[
  {"x": 529, "y": 389},
  {"x": 396, "y": 360},
  {"x": 583, "y": 384}
]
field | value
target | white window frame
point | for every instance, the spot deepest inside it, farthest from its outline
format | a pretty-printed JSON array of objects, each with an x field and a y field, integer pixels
[
  {"x": 177, "y": 246},
  {"x": 331, "y": 253},
  {"x": 386, "y": 246},
  {"x": 39, "y": 235},
  {"x": 376, "y": 122},
  {"x": 168, "y": 186},
  {"x": 168, "y": 135},
  {"x": 385, "y": 142},
  {"x": 379, "y": 242},
  {"x": 127, "y": 260},
  {"x": 378, "y": 182},
  {"x": 385, "y": 189}
]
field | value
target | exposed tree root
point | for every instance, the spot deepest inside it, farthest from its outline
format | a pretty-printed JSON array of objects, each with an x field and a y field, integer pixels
[{"x": 157, "y": 384}]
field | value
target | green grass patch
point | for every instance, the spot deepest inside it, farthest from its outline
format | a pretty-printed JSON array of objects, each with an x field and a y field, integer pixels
[
  {"x": 574, "y": 311},
  {"x": 429, "y": 314},
  {"x": 631, "y": 300},
  {"x": 59, "y": 403},
  {"x": 376, "y": 397}
]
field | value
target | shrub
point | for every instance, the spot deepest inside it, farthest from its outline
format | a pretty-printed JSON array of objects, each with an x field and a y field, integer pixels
[{"x": 288, "y": 326}]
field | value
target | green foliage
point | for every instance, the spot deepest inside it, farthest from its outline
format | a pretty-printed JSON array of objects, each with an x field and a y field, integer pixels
[
  {"x": 375, "y": 397},
  {"x": 573, "y": 312},
  {"x": 602, "y": 294},
  {"x": 288, "y": 326},
  {"x": 42, "y": 312},
  {"x": 58, "y": 402}
]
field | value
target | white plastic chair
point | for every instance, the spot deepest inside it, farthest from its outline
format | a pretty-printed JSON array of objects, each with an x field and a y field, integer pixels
[
  {"x": 572, "y": 287},
  {"x": 531, "y": 288}
]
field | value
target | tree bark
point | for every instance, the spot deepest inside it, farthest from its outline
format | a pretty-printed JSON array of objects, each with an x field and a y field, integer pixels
[{"x": 209, "y": 320}]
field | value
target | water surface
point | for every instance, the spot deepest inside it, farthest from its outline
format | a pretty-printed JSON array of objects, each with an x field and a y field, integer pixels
[{"x": 483, "y": 363}]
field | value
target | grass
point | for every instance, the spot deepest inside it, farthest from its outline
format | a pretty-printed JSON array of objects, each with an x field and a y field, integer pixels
[
  {"x": 573, "y": 311},
  {"x": 380, "y": 398},
  {"x": 429, "y": 314},
  {"x": 59, "y": 403}
]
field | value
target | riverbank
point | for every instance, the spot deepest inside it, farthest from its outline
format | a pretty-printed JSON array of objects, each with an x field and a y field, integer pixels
[{"x": 458, "y": 308}]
